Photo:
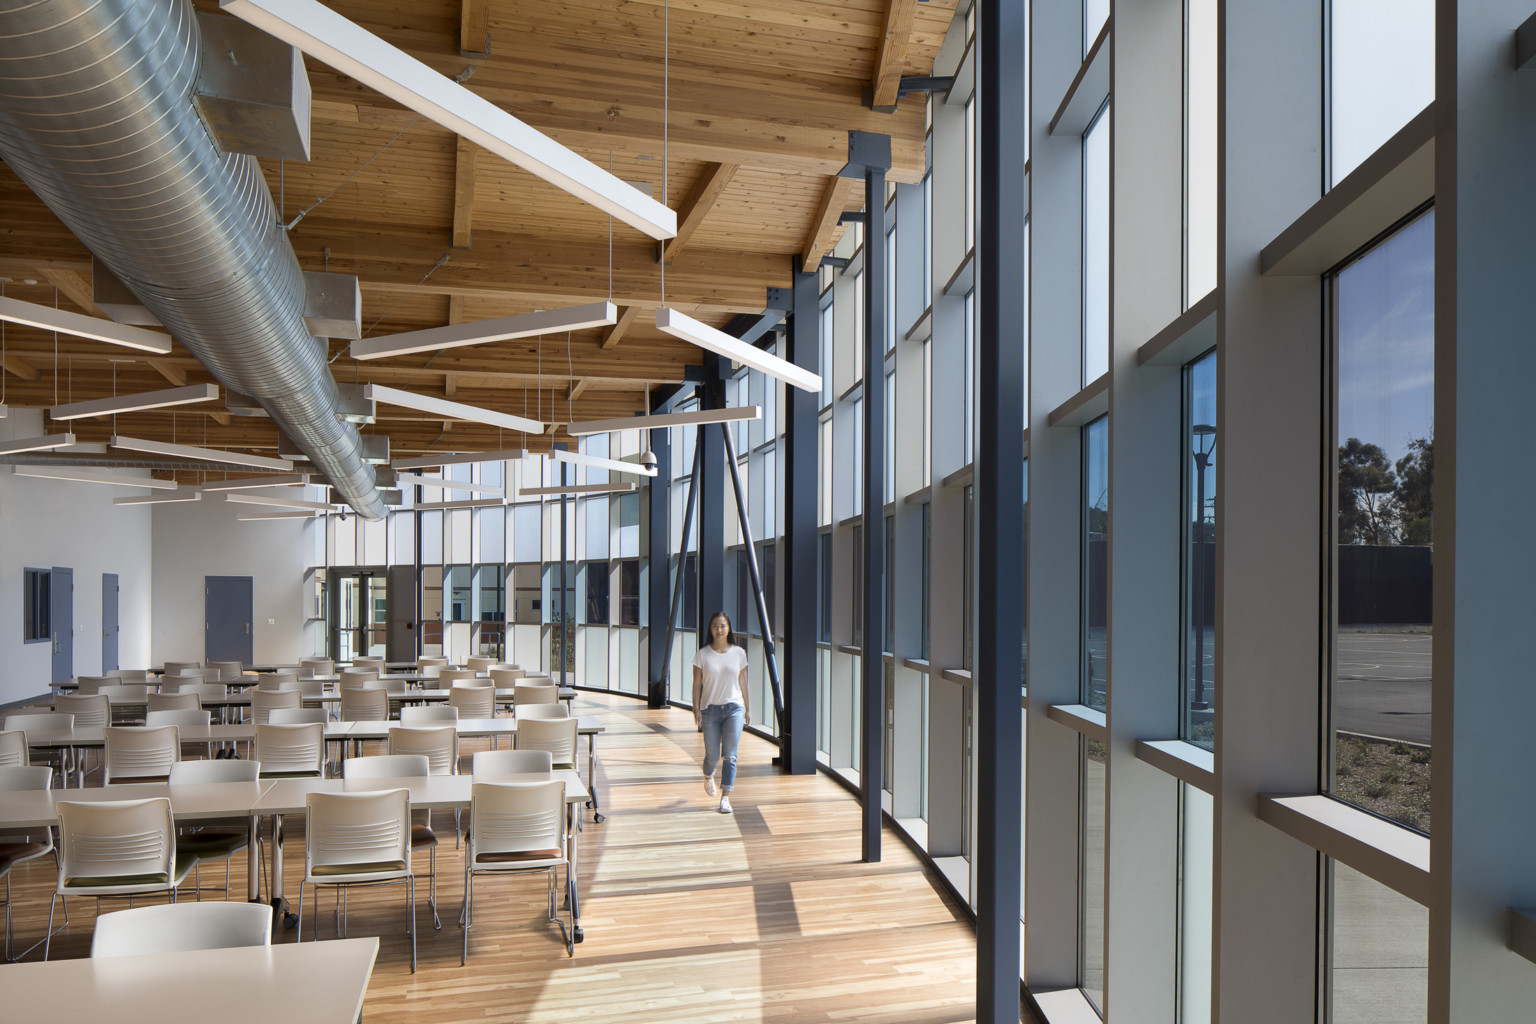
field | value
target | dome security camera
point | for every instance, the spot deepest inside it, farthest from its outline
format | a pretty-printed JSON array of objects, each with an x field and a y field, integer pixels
[{"x": 648, "y": 459}]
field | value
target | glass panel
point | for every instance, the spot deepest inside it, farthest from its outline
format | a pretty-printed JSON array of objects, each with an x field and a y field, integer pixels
[
  {"x": 1197, "y": 874},
  {"x": 856, "y": 607},
  {"x": 629, "y": 526},
  {"x": 1200, "y": 137},
  {"x": 1382, "y": 73},
  {"x": 1095, "y": 13},
  {"x": 629, "y": 592},
  {"x": 460, "y": 594},
  {"x": 1095, "y": 584},
  {"x": 1091, "y": 889},
  {"x": 459, "y": 535},
  {"x": 856, "y": 478},
  {"x": 828, "y": 318},
  {"x": 824, "y": 588},
  {"x": 373, "y": 548},
  {"x": 1379, "y": 952},
  {"x": 595, "y": 515},
  {"x": 1384, "y": 568},
  {"x": 432, "y": 538},
  {"x": 493, "y": 533},
  {"x": 490, "y": 610},
  {"x": 1199, "y": 568},
  {"x": 431, "y": 609},
  {"x": 858, "y": 327},
  {"x": 403, "y": 525},
  {"x": 967, "y": 574},
  {"x": 890, "y": 436},
  {"x": 968, "y": 384},
  {"x": 1096, "y": 247},
  {"x": 890, "y": 279},
  {"x": 970, "y": 174},
  {"x": 525, "y": 533},
  {"x": 927, "y": 548},
  {"x": 527, "y": 594},
  {"x": 629, "y": 661},
  {"x": 595, "y": 604}
]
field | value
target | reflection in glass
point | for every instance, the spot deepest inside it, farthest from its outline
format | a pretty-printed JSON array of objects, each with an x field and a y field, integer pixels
[
  {"x": 1199, "y": 569},
  {"x": 1381, "y": 73},
  {"x": 1096, "y": 247},
  {"x": 1378, "y": 952},
  {"x": 1384, "y": 559},
  {"x": 460, "y": 594},
  {"x": 1095, "y": 583},
  {"x": 1091, "y": 855}
]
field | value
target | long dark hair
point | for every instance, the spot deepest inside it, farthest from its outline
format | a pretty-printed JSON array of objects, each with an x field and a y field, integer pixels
[{"x": 730, "y": 630}]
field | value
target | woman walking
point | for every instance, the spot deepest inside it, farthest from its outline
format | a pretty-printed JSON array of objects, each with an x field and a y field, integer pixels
[{"x": 720, "y": 704}]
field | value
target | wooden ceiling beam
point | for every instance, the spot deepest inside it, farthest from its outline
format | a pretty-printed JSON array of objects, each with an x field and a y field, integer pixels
[
  {"x": 475, "y": 29},
  {"x": 577, "y": 389},
  {"x": 626, "y": 320},
  {"x": 19, "y": 367},
  {"x": 76, "y": 287},
  {"x": 824, "y": 225},
  {"x": 464, "y": 187},
  {"x": 169, "y": 370},
  {"x": 897, "y": 32},
  {"x": 701, "y": 199}
]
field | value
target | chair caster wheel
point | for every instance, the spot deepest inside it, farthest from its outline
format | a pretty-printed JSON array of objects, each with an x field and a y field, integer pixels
[
  {"x": 598, "y": 819},
  {"x": 290, "y": 920},
  {"x": 578, "y": 935}
]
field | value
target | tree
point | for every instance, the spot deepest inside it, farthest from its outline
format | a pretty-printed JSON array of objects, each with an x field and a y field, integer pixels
[
  {"x": 1415, "y": 491},
  {"x": 1368, "y": 506}
]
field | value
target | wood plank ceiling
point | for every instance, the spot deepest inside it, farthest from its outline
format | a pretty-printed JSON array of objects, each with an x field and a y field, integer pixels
[{"x": 759, "y": 98}]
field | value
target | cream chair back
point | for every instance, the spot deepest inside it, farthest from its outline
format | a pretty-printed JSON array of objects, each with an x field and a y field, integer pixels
[
  {"x": 91, "y": 710},
  {"x": 556, "y": 735},
  {"x": 13, "y": 750},
  {"x": 473, "y": 701},
  {"x": 387, "y": 766},
  {"x": 181, "y": 927},
  {"x": 506, "y": 677},
  {"x": 264, "y": 701},
  {"x": 291, "y": 750},
  {"x": 182, "y": 700},
  {"x": 141, "y": 753},
  {"x": 534, "y": 693},
  {"x": 555, "y": 710},
  {"x": 428, "y": 714},
  {"x": 120, "y": 846},
  {"x": 439, "y": 743},
  {"x": 182, "y": 718},
  {"x": 297, "y": 716},
  {"x": 511, "y": 762},
  {"x": 364, "y": 705}
]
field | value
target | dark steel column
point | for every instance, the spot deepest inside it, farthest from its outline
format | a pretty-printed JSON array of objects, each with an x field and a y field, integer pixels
[
  {"x": 770, "y": 653},
  {"x": 1002, "y": 265},
  {"x": 711, "y": 499},
  {"x": 797, "y": 730},
  {"x": 564, "y": 533},
  {"x": 658, "y": 557},
  {"x": 682, "y": 559},
  {"x": 869, "y": 157}
]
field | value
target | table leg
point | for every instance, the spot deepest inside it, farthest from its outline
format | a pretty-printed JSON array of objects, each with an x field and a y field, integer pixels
[
  {"x": 253, "y": 860},
  {"x": 279, "y": 903},
  {"x": 597, "y": 816},
  {"x": 572, "y": 892}
]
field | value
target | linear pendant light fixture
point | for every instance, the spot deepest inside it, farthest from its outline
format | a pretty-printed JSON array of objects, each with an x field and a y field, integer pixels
[
  {"x": 353, "y": 50},
  {"x": 531, "y": 492},
  {"x": 48, "y": 318},
  {"x": 36, "y": 444},
  {"x": 596, "y": 462},
  {"x": 458, "y": 459},
  {"x": 692, "y": 418},
  {"x": 264, "y": 517},
  {"x": 136, "y": 403},
  {"x": 507, "y": 328},
  {"x": 180, "y": 494},
  {"x": 278, "y": 500},
  {"x": 444, "y": 484},
  {"x": 448, "y": 410},
  {"x": 680, "y": 325},
  {"x": 92, "y": 476},
  {"x": 187, "y": 451},
  {"x": 248, "y": 482},
  {"x": 428, "y": 506}
]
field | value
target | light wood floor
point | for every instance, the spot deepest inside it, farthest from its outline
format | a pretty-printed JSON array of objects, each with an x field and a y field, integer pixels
[{"x": 766, "y": 914}]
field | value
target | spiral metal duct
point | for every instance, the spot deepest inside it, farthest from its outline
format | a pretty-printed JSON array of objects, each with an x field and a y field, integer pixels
[{"x": 97, "y": 117}]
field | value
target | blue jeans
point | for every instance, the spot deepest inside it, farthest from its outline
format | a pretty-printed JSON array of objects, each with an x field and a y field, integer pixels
[{"x": 722, "y": 734}]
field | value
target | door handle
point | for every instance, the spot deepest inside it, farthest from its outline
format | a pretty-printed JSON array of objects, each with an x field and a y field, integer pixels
[
  {"x": 55, "y": 641},
  {"x": 247, "y": 629}
]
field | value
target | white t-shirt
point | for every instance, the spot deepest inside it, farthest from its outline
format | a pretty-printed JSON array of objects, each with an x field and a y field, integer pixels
[{"x": 722, "y": 675}]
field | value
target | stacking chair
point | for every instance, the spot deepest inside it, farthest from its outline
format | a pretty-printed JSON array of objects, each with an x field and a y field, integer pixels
[
  {"x": 171, "y": 682},
  {"x": 228, "y": 671},
  {"x": 182, "y": 700},
  {"x": 179, "y": 927},
  {"x": 365, "y": 705},
  {"x": 429, "y": 714},
  {"x": 369, "y": 659},
  {"x": 556, "y": 735},
  {"x": 429, "y": 675},
  {"x": 448, "y": 676},
  {"x": 511, "y": 762},
  {"x": 220, "y": 838},
  {"x": 353, "y": 678},
  {"x": 141, "y": 753},
  {"x": 13, "y": 749},
  {"x": 91, "y": 684},
  {"x": 359, "y": 839},
  {"x": 473, "y": 701},
  {"x": 405, "y": 766},
  {"x": 19, "y": 848},
  {"x": 296, "y": 716},
  {"x": 208, "y": 696},
  {"x": 427, "y": 660},
  {"x": 534, "y": 693},
  {"x": 91, "y": 711},
  {"x": 439, "y": 743},
  {"x": 264, "y": 701},
  {"x": 516, "y": 826},
  {"x": 276, "y": 680},
  {"x": 191, "y": 719},
  {"x": 115, "y": 848},
  {"x": 479, "y": 664},
  {"x": 24, "y": 719},
  {"x": 505, "y": 677},
  {"x": 290, "y": 751},
  {"x": 177, "y": 667},
  {"x": 311, "y": 667},
  {"x": 131, "y": 675},
  {"x": 555, "y": 710}
]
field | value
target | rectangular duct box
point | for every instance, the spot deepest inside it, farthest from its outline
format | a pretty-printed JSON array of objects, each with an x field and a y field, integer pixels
[
  {"x": 286, "y": 449},
  {"x": 352, "y": 407},
  {"x": 252, "y": 90},
  {"x": 333, "y": 305},
  {"x": 116, "y": 300},
  {"x": 376, "y": 449},
  {"x": 383, "y": 477},
  {"x": 241, "y": 405}
]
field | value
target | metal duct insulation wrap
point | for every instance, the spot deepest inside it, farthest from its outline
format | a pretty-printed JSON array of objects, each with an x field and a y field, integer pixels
[{"x": 97, "y": 117}]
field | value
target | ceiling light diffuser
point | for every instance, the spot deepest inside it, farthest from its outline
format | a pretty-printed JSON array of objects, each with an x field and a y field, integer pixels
[
  {"x": 449, "y": 410},
  {"x": 596, "y": 462},
  {"x": 448, "y": 485},
  {"x": 679, "y": 325},
  {"x": 526, "y": 325},
  {"x": 458, "y": 459},
  {"x": 531, "y": 492},
  {"x": 136, "y": 403},
  {"x": 277, "y": 500},
  {"x": 353, "y": 50},
  {"x": 92, "y": 476},
  {"x": 36, "y": 444},
  {"x": 180, "y": 494},
  {"x": 694, "y": 418},
  {"x": 48, "y": 318},
  {"x": 186, "y": 451},
  {"x": 245, "y": 483}
]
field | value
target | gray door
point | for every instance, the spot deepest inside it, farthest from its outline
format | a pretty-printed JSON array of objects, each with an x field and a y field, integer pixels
[
  {"x": 227, "y": 616},
  {"x": 109, "y": 627},
  {"x": 61, "y": 616}
]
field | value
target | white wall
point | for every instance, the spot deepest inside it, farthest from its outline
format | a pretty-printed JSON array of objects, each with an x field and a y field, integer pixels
[
  {"x": 203, "y": 538},
  {"x": 47, "y": 523}
]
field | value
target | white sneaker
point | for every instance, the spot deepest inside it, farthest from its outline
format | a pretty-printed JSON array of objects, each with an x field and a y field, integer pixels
[
  {"x": 725, "y": 803},
  {"x": 709, "y": 784}
]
